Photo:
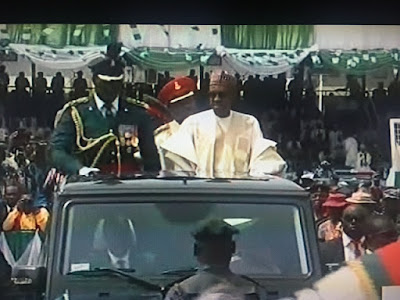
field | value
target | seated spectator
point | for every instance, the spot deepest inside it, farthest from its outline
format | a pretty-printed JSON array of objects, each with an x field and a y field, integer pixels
[
  {"x": 332, "y": 228},
  {"x": 26, "y": 217},
  {"x": 380, "y": 231}
]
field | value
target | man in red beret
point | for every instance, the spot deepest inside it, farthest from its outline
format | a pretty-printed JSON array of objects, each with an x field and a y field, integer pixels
[
  {"x": 176, "y": 101},
  {"x": 332, "y": 228},
  {"x": 221, "y": 143}
]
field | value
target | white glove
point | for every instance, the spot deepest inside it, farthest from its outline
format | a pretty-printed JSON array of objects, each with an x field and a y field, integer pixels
[{"x": 85, "y": 171}]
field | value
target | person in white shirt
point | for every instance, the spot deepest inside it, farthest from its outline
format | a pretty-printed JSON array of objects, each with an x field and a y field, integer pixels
[
  {"x": 220, "y": 142},
  {"x": 351, "y": 148},
  {"x": 364, "y": 159},
  {"x": 335, "y": 138}
]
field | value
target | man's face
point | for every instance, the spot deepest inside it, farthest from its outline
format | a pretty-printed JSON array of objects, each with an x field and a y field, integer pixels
[
  {"x": 221, "y": 98},
  {"x": 11, "y": 195},
  {"x": 354, "y": 219},
  {"x": 108, "y": 90}
]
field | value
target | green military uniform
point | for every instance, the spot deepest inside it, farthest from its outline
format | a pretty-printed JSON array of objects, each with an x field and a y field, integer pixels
[
  {"x": 211, "y": 276},
  {"x": 84, "y": 137}
]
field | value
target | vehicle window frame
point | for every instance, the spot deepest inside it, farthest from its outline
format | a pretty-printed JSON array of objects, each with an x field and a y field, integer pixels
[{"x": 220, "y": 199}]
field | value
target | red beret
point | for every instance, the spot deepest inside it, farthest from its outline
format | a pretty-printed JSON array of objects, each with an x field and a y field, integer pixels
[
  {"x": 335, "y": 200},
  {"x": 177, "y": 89}
]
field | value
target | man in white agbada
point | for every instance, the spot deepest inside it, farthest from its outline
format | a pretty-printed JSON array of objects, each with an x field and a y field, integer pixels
[{"x": 221, "y": 143}]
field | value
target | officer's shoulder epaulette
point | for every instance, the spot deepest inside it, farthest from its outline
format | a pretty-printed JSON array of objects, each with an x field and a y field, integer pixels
[
  {"x": 161, "y": 129},
  {"x": 68, "y": 105},
  {"x": 137, "y": 102}
]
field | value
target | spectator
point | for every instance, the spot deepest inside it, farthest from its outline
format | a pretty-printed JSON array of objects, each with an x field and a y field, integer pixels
[
  {"x": 351, "y": 148},
  {"x": 12, "y": 193},
  {"x": 350, "y": 245},
  {"x": 296, "y": 90},
  {"x": 239, "y": 84},
  {"x": 362, "y": 198},
  {"x": 379, "y": 93},
  {"x": 57, "y": 101},
  {"x": 167, "y": 77},
  {"x": 335, "y": 137},
  {"x": 394, "y": 87},
  {"x": 380, "y": 231},
  {"x": 391, "y": 203},
  {"x": 39, "y": 96},
  {"x": 4, "y": 82},
  {"x": 26, "y": 217},
  {"x": 332, "y": 228},
  {"x": 318, "y": 198},
  {"x": 375, "y": 190},
  {"x": 353, "y": 87},
  {"x": 21, "y": 82},
  {"x": 57, "y": 84},
  {"x": 363, "y": 159},
  {"x": 40, "y": 85},
  {"x": 160, "y": 83},
  {"x": 193, "y": 76},
  {"x": 80, "y": 86}
]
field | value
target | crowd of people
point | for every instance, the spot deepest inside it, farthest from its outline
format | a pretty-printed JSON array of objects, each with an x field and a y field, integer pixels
[{"x": 242, "y": 131}]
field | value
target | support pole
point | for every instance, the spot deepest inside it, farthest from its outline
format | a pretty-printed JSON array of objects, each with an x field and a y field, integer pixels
[
  {"x": 320, "y": 104},
  {"x": 33, "y": 75}
]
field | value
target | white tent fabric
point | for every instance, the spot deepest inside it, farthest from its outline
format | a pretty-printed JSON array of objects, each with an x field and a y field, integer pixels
[
  {"x": 68, "y": 58},
  {"x": 170, "y": 36},
  {"x": 262, "y": 62},
  {"x": 362, "y": 37}
]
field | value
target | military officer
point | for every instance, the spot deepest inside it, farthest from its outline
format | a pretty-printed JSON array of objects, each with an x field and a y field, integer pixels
[
  {"x": 103, "y": 131},
  {"x": 176, "y": 101},
  {"x": 214, "y": 247}
]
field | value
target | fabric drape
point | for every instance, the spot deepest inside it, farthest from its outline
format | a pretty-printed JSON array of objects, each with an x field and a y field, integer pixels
[
  {"x": 61, "y": 35},
  {"x": 267, "y": 36}
]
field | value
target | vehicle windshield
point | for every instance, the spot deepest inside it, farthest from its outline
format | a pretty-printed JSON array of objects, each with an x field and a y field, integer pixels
[{"x": 154, "y": 238}]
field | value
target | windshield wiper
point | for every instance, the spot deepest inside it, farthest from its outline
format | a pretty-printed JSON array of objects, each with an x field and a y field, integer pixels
[
  {"x": 187, "y": 271},
  {"x": 111, "y": 272}
]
